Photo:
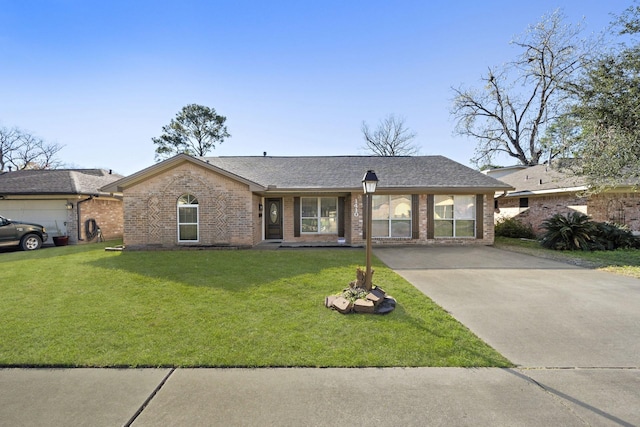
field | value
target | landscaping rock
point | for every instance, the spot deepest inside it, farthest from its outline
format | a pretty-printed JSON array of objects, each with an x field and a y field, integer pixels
[
  {"x": 373, "y": 298},
  {"x": 374, "y": 301},
  {"x": 363, "y": 306},
  {"x": 376, "y": 295},
  {"x": 328, "y": 301},
  {"x": 343, "y": 305}
]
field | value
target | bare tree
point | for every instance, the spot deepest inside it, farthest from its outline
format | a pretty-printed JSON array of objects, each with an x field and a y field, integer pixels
[
  {"x": 510, "y": 113},
  {"x": 9, "y": 141},
  {"x": 390, "y": 138},
  {"x": 22, "y": 150}
]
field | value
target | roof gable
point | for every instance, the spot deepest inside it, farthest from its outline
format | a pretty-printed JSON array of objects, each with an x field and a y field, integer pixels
[{"x": 168, "y": 164}]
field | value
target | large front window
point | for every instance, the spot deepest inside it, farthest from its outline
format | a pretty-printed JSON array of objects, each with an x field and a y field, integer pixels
[
  {"x": 319, "y": 215},
  {"x": 187, "y": 218},
  {"x": 391, "y": 216},
  {"x": 455, "y": 216}
]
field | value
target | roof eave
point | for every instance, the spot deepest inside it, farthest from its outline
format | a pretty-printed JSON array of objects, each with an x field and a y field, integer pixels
[
  {"x": 62, "y": 194},
  {"x": 549, "y": 191},
  {"x": 446, "y": 188},
  {"x": 395, "y": 189}
]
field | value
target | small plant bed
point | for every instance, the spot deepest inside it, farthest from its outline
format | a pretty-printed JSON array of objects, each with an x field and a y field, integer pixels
[{"x": 358, "y": 299}]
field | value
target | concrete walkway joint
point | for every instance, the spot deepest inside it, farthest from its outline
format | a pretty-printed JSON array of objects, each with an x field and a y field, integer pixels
[{"x": 149, "y": 398}]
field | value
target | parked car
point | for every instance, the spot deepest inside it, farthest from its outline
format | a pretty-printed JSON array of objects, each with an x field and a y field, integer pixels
[{"x": 23, "y": 234}]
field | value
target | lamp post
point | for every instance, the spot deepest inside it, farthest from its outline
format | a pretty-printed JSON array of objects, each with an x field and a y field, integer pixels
[{"x": 369, "y": 182}]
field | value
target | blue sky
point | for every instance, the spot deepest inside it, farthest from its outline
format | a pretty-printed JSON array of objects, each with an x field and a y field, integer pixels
[{"x": 292, "y": 77}]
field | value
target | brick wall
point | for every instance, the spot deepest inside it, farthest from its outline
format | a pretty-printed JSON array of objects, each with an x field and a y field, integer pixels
[
  {"x": 226, "y": 209},
  {"x": 355, "y": 221},
  {"x": 540, "y": 208},
  {"x": 287, "y": 219},
  {"x": 257, "y": 218},
  {"x": 617, "y": 207},
  {"x": 109, "y": 217},
  {"x": 621, "y": 208}
]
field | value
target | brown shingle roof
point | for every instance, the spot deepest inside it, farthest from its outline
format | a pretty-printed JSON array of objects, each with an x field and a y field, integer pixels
[
  {"x": 543, "y": 179},
  {"x": 55, "y": 181},
  {"x": 346, "y": 172},
  {"x": 332, "y": 173}
]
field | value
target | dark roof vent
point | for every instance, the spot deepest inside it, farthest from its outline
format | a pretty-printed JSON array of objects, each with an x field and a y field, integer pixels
[{"x": 264, "y": 154}]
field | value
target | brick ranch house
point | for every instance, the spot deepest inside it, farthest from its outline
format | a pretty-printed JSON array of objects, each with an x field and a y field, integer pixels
[
  {"x": 244, "y": 201},
  {"x": 541, "y": 191},
  {"x": 67, "y": 202}
]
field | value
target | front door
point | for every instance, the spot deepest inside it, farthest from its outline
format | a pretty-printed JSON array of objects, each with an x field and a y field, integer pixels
[{"x": 273, "y": 220}]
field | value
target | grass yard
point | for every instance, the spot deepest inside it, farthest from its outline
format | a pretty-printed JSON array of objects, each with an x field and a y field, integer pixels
[
  {"x": 82, "y": 306},
  {"x": 621, "y": 261}
]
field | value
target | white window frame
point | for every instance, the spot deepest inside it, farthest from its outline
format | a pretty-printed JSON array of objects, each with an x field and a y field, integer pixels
[
  {"x": 319, "y": 216},
  {"x": 191, "y": 202},
  {"x": 455, "y": 216},
  {"x": 390, "y": 218}
]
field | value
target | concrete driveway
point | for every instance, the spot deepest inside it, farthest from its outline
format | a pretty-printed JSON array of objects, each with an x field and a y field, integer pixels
[{"x": 536, "y": 312}]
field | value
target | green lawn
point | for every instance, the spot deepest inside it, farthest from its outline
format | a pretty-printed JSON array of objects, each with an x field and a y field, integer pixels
[
  {"x": 621, "y": 261},
  {"x": 83, "y": 306}
]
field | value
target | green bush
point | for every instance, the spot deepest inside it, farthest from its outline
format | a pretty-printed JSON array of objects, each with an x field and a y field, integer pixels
[
  {"x": 512, "y": 227},
  {"x": 610, "y": 236},
  {"x": 575, "y": 231}
]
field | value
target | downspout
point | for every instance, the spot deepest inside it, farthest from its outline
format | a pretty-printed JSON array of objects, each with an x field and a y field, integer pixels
[{"x": 80, "y": 239}]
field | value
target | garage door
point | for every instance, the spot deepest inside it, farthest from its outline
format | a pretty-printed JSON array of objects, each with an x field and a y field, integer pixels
[{"x": 43, "y": 212}]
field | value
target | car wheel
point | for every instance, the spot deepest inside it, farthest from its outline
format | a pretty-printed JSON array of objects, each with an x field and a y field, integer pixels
[{"x": 30, "y": 242}]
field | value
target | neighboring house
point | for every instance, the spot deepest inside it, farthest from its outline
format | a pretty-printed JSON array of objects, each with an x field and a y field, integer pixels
[
  {"x": 542, "y": 191},
  {"x": 66, "y": 201},
  {"x": 244, "y": 201}
]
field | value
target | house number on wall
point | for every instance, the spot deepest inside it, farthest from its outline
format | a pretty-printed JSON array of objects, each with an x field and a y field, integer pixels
[{"x": 355, "y": 208}]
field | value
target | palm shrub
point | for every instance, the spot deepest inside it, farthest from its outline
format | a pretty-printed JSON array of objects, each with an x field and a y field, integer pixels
[
  {"x": 513, "y": 227},
  {"x": 569, "y": 232},
  {"x": 610, "y": 236}
]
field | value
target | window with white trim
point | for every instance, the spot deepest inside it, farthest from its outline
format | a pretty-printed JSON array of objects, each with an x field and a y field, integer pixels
[
  {"x": 319, "y": 215},
  {"x": 454, "y": 216},
  {"x": 188, "y": 218},
  {"x": 391, "y": 216}
]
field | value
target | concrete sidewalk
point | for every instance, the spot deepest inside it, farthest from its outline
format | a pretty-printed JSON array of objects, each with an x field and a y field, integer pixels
[
  {"x": 573, "y": 333},
  {"x": 319, "y": 397}
]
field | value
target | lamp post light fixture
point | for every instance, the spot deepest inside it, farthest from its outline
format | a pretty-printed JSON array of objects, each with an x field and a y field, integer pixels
[{"x": 369, "y": 183}]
